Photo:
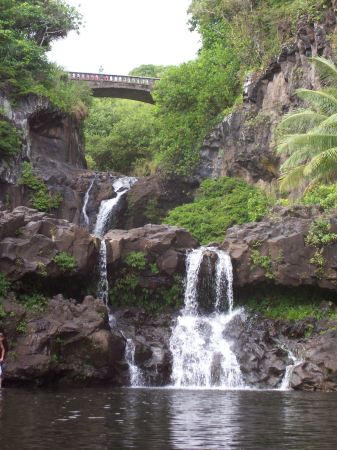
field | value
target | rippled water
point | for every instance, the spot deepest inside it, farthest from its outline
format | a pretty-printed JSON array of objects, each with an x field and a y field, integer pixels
[{"x": 95, "y": 419}]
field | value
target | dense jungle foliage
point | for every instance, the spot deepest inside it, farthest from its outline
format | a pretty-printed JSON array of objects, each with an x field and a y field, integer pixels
[{"x": 27, "y": 30}]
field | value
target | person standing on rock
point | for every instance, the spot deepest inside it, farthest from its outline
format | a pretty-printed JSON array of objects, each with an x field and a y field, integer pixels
[{"x": 2, "y": 357}]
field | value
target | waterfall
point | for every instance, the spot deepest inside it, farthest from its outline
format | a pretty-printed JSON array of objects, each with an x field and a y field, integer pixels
[
  {"x": 105, "y": 214},
  {"x": 285, "y": 385},
  {"x": 108, "y": 207},
  {"x": 202, "y": 356},
  {"x": 85, "y": 204},
  {"x": 136, "y": 376},
  {"x": 103, "y": 285}
]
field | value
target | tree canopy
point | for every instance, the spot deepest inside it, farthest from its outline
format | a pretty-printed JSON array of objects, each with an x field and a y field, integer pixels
[{"x": 27, "y": 29}]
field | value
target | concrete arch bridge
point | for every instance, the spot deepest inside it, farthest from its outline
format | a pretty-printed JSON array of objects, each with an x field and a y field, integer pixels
[{"x": 118, "y": 86}]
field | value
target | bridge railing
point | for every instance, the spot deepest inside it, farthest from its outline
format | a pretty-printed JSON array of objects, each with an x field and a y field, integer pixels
[{"x": 82, "y": 76}]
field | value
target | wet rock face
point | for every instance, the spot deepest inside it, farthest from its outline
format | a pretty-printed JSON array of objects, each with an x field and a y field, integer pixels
[
  {"x": 241, "y": 145},
  {"x": 70, "y": 344},
  {"x": 150, "y": 199},
  {"x": 275, "y": 251},
  {"x": 150, "y": 334},
  {"x": 318, "y": 371},
  {"x": 29, "y": 243}
]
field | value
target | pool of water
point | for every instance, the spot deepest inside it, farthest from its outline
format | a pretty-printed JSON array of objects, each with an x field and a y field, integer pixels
[{"x": 103, "y": 419}]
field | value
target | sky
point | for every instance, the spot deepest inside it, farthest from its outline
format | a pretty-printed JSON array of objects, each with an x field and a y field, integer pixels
[{"x": 120, "y": 35}]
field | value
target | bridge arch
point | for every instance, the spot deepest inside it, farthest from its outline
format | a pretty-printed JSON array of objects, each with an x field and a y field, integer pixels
[{"x": 118, "y": 86}]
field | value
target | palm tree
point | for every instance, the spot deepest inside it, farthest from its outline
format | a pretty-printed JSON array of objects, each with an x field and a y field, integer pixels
[{"x": 308, "y": 137}]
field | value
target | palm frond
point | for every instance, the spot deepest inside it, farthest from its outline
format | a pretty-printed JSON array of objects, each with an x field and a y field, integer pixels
[
  {"x": 327, "y": 70},
  {"x": 299, "y": 157},
  {"x": 294, "y": 142},
  {"x": 323, "y": 164},
  {"x": 292, "y": 179},
  {"x": 323, "y": 102},
  {"x": 300, "y": 121}
]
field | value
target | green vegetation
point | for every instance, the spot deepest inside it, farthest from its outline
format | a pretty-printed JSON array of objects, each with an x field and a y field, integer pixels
[
  {"x": 323, "y": 195},
  {"x": 308, "y": 137},
  {"x": 65, "y": 262},
  {"x": 136, "y": 260},
  {"x": 148, "y": 70},
  {"x": 4, "y": 285},
  {"x": 128, "y": 291},
  {"x": 10, "y": 143},
  {"x": 190, "y": 99},
  {"x": 118, "y": 135},
  {"x": 289, "y": 306},
  {"x": 319, "y": 236},
  {"x": 27, "y": 30},
  {"x": 34, "y": 302},
  {"x": 220, "y": 204},
  {"x": 263, "y": 261},
  {"x": 22, "y": 327},
  {"x": 41, "y": 198}
]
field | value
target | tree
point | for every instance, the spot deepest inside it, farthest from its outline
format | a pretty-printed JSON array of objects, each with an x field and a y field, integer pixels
[
  {"x": 308, "y": 137},
  {"x": 118, "y": 134},
  {"x": 27, "y": 29},
  {"x": 148, "y": 70}
]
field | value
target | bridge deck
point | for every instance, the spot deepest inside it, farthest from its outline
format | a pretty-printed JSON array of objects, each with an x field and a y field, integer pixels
[{"x": 118, "y": 86}]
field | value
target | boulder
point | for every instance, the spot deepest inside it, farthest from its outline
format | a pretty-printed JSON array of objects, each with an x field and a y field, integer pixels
[
  {"x": 163, "y": 244},
  {"x": 275, "y": 251},
  {"x": 70, "y": 343},
  {"x": 30, "y": 241}
]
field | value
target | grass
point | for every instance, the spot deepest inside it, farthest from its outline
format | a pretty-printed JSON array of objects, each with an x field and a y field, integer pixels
[{"x": 291, "y": 306}]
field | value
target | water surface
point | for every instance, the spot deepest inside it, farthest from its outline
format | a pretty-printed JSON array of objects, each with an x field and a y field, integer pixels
[{"x": 98, "y": 419}]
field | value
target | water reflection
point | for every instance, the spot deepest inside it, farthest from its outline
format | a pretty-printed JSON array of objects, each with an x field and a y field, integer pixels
[{"x": 95, "y": 419}]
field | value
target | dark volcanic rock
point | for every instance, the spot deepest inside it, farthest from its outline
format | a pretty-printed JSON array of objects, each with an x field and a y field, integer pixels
[
  {"x": 29, "y": 242},
  {"x": 70, "y": 344},
  {"x": 162, "y": 244},
  {"x": 150, "y": 334},
  {"x": 318, "y": 371},
  {"x": 149, "y": 200},
  {"x": 280, "y": 241}
]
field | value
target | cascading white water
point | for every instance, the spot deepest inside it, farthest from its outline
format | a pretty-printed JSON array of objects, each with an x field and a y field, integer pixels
[
  {"x": 202, "y": 356},
  {"x": 136, "y": 375},
  {"x": 285, "y": 385},
  {"x": 107, "y": 207},
  {"x": 106, "y": 210},
  {"x": 103, "y": 285},
  {"x": 85, "y": 203}
]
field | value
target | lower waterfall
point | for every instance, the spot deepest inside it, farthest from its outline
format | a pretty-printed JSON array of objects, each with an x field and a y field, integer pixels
[{"x": 202, "y": 356}]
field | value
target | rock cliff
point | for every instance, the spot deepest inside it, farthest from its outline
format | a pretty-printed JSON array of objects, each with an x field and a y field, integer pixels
[{"x": 242, "y": 145}]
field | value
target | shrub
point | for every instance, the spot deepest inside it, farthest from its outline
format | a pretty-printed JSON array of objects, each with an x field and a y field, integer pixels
[
  {"x": 10, "y": 143},
  {"x": 319, "y": 234},
  {"x": 220, "y": 203},
  {"x": 323, "y": 195},
  {"x": 136, "y": 260},
  {"x": 65, "y": 262},
  {"x": 34, "y": 302},
  {"x": 41, "y": 198},
  {"x": 4, "y": 285}
]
